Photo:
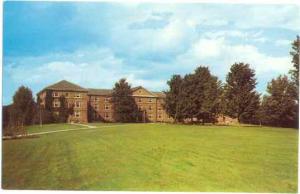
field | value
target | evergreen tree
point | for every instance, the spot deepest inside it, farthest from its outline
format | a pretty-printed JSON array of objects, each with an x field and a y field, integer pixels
[
  {"x": 124, "y": 106},
  {"x": 279, "y": 107},
  {"x": 242, "y": 101},
  {"x": 295, "y": 60},
  {"x": 23, "y": 107},
  {"x": 172, "y": 101}
]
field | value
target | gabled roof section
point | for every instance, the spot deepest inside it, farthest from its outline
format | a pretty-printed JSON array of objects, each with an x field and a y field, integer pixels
[
  {"x": 143, "y": 92},
  {"x": 100, "y": 92},
  {"x": 66, "y": 86}
]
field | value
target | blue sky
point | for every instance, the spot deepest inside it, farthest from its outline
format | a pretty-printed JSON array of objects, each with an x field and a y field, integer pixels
[{"x": 96, "y": 44}]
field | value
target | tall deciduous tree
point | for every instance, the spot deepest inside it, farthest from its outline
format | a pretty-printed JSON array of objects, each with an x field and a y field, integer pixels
[
  {"x": 242, "y": 100},
  {"x": 279, "y": 107},
  {"x": 199, "y": 95},
  {"x": 124, "y": 106},
  {"x": 172, "y": 102}
]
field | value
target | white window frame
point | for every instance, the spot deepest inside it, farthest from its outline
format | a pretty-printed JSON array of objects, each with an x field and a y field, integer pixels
[
  {"x": 56, "y": 104},
  {"x": 77, "y": 95},
  {"x": 76, "y": 104},
  {"x": 77, "y": 114}
]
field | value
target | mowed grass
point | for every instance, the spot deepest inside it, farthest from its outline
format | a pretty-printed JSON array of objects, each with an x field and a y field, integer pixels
[{"x": 155, "y": 157}]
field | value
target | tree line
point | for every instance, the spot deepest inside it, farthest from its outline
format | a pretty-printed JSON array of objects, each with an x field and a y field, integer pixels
[{"x": 201, "y": 97}]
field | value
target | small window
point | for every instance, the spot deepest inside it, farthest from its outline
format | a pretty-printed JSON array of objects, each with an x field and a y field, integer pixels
[
  {"x": 106, "y": 99},
  {"x": 96, "y": 98},
  {"x": 140, "y": 100},
  {"x": 77, "y": 104},
  {"x": 150, "y": 116},
  {"x": 159, "y": 108},
  {"x": 77, "y": 114},
  {"x": 150, "y": 107},
  {"x": 77, "y": 95},
  {"x": 106, "y": 107},
  {"x": 150, "y": 100},
  {"x": 55, "y": 94},
  {"x": 56, "y": 104},
  {"x": 106, "y": 115},
  {"x": 67, "y": 94},
  {"x": 96, "y": 107},
  {"x": 159, "y": 116}
]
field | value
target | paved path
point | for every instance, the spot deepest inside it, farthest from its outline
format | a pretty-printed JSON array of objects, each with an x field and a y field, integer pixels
[{"x": 64, "y": 130}]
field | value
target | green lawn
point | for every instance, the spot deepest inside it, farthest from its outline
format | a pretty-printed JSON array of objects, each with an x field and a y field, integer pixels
[{"x": 154, "y": 157}]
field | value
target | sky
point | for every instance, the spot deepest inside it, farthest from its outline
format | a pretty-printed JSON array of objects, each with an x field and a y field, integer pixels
[{"x": 96, "y": 44}]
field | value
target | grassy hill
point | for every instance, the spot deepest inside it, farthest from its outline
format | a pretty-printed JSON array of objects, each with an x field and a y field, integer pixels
[{"x": 154, "y": 157}]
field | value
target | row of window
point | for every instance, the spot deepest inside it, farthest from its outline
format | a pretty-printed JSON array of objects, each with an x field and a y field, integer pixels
[
  {"x": 77, "y": 104},
  {"x": 95, "y": 98},
  {"x": 66, "y": 94},
  {"x": 106, "y": 107}
]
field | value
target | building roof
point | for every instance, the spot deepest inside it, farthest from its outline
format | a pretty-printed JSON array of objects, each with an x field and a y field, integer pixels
[
  {"x": 92, "y": 91},
  {"x": 65, "y": 86},
  {"x": 159, "y": 94},
  {"x": 68, "y": 86}
]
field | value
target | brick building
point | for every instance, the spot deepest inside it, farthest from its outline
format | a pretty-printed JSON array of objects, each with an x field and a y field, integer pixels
[{"x": 95, "y": 104}]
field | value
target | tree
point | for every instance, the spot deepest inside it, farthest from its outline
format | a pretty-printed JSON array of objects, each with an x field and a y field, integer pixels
[
  {"x": 198, "y": 97},
  {"x": 206, "y": 93},
  {"x": 242, "y": 100},
  {"x": 64, "y": 111},
  {"x": 124, "y": 106},
  {"x": 279, "y": 107},
  {"x": 295, "y": 60},
  {"x": 23, "y": 107},
  {"x": 172, "y": 101}
]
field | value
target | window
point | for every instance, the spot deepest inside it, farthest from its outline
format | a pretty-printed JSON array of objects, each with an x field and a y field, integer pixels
[
  {"x": 106, "y": 107},
  {"x": 67, "y": 94},
  {"x": 159, "y": 108},
  {"x": 106, "y": 99},
  {"x": 96, "y": 98},
  {"x": 56, "y": 104},
  {"x": 140, "y": 108},
  {"x": 150, "y": 107},
  {"x": 77, "y": 104},
  {"x": 55, "y": 94},
  {"x": 150, "y": 116},
  {"x": 77, "y": 95},
  {"x": 106, "y": 115},
  {"x": 140, "y": 100},
  {"x": 150, "y": 100},
  {"x": 96, "y": 107},
  {"x": 159, "y": 116},
  {"x": 77, "y": 114}
]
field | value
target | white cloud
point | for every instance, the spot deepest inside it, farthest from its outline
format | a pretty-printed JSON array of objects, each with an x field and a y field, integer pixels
[
  {"x": 220, "y": 55},
  {"x": 93, "y": 67}
]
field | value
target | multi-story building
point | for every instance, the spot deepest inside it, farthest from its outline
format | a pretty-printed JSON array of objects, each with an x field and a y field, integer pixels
[{"x": 95, "y": 104}]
